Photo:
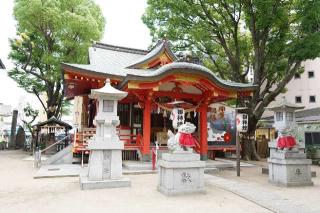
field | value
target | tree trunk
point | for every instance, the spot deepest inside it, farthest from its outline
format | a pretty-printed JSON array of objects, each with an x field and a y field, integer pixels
[
  {"x": 248, "y": 141},
  {"x": 249, "y": 148}
]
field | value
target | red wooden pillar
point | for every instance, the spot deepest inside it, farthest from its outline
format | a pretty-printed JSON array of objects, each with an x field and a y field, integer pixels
[
  {"x": 203, "y": 132},
  {"x": 146, "y": 129}
]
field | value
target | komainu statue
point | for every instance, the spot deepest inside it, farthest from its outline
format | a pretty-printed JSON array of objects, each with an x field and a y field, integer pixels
[{"x": 183, "y": 139}]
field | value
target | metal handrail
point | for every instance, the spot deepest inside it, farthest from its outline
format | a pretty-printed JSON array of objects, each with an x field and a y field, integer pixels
[
  {"x": 37, "y": 154},
  {"x": 53, "y": 144}
]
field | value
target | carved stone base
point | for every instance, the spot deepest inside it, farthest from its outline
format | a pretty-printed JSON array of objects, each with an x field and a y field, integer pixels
[
  {"x": 289, "y": 168},
  {"x": 181, "y": 173}
]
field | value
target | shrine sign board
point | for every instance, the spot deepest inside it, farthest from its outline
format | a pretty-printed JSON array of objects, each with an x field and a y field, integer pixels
[
  {"x": 177, "y": 117},
  {"x": 242, "y": 122}
]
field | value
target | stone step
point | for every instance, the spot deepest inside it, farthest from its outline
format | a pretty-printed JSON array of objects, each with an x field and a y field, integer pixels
[{"x": 61, "y": 170}]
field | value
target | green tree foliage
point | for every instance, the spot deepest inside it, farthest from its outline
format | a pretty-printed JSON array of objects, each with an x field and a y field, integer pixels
[
  {"x": 271, "y": 38},
  {"x": 29, "y": 117},
  {"x": 51, "y": 32}
]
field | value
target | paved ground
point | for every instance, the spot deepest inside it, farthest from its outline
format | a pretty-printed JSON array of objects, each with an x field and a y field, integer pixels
[
  {"x": 253, "y": 185},
  {"x": 129, "y": 167},
  {"x": 19, "y": 192}
]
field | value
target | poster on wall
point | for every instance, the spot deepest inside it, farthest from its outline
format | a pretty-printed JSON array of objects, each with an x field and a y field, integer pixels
[{"x": 221, "y": 125}]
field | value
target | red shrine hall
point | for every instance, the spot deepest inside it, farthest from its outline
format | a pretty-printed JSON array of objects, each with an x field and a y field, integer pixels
[{"x": 158, "y": 86}]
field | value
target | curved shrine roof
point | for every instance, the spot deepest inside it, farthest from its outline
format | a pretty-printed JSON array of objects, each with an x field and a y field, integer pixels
[
  {"x": 184, "y": 67},
  {"x": 108, "y": 61}
]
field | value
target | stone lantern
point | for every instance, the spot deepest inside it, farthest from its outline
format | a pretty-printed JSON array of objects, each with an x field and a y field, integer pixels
[
  {"x": 105, "y": 161},
  {"x": 288, "y": 166},
  {"x": 284, "y": 115}
]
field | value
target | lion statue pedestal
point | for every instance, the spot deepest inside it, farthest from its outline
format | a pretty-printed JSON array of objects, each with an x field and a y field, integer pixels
[{"x": 181, "y": 171}]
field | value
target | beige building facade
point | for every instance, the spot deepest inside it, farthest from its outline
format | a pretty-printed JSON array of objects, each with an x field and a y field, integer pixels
[{"x": 304, "y": 89}]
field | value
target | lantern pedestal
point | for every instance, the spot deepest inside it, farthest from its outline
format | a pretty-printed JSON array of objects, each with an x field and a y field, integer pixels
[
  {"x": 105, "y": 164},
  {"x": 181, "y": 173},
  {"x": 289, "y": 167}
]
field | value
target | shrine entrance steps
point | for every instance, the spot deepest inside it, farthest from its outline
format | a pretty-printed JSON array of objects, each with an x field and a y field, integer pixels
[{"x": 64, "y": 156}]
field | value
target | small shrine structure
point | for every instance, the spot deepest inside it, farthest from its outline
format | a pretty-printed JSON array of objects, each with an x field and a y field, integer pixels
[
  {"x": 49, "y": 132},
  {"x": 152, "y": 79}
]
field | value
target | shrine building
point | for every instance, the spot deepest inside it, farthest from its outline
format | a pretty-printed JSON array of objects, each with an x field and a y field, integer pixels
[{"x": 157, "y": 83}]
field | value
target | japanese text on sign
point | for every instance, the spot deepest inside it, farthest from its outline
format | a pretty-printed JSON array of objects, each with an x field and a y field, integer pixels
[
  {"x": 242, "y": 122},
  {"x": 177, "y": 117}
]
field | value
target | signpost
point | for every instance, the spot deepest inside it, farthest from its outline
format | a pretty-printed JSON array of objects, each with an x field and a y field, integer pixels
[{"x": 241, "y": 126}]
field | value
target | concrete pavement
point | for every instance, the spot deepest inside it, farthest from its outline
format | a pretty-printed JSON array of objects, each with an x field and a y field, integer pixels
[{"x": 19, "y": 192}]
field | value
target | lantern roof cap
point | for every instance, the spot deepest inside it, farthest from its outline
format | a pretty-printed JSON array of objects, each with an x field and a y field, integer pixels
[
  {"x": 284, "y": 104},
  {"x": 108, "y": 91}
]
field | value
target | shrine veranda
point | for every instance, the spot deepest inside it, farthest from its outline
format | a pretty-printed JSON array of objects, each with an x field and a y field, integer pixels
[{"x": 160, "y": 90}]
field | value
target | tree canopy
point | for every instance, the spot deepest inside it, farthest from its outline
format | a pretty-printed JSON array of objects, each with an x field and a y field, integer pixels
[
  {"x": 50, "y": 32},
  {"x": 270, "y": 38}
]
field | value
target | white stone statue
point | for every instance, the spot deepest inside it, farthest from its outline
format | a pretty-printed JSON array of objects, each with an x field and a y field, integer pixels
[
  {"x": 183, "y": 140},
  {"x": 173, "y": 144}
]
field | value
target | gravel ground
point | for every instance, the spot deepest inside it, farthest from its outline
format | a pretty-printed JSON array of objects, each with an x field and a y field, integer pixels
[{"x": 19, "y": 192}]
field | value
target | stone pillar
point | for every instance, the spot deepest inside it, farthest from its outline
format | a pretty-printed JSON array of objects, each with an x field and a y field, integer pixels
[
  {"x": 203, "y": 132},
  {"x": 12, "y": 141},
  {"x": 146, "y": 134}
]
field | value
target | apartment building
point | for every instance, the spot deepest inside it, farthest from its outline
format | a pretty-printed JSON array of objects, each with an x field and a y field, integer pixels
[{"x": 304, "y": 89}]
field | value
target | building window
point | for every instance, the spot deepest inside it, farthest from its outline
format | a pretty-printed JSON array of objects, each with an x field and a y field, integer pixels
[
  {"x": 312, "y": 99},
  {"x": 108, "y": 105},
  {"x": 297, "y": 76},
  {"x": 310, "y": 74},
  {"x": 289, "y": 116},
  {"x": 312, "y": 138},
  {"x": 279, "y": 116},
  {"x": 298, "y": 99}
]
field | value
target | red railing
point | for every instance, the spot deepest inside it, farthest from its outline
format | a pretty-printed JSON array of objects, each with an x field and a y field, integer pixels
[
  {"x": 154, "y": 158},
  {"x": 197, "y": 145},
  {"x": 130, "y": 140},
  {"x": 139, "y": 140}
]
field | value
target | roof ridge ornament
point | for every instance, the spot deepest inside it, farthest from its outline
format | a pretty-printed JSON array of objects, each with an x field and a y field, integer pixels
[
  {"x": 108, "y": 81},
  {"x": 160, "y": 54}
]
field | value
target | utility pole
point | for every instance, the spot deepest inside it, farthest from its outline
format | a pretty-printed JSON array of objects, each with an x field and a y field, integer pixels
[
  {"x": 12, "y": 142},
  {"x": 241, "y": 126},
  {"x": 237, "y": 148}
]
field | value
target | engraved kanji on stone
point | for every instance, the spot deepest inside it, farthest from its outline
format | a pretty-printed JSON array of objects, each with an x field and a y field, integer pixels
[
  {"x": 185, "y": 178},
  {"x": 298, "y": 172}
]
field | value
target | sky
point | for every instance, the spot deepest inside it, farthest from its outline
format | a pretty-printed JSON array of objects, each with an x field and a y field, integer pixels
[{"x": 124, "y": 27}]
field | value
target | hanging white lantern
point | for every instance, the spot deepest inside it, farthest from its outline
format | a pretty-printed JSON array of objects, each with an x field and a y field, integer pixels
[
  {"x": 164, "y": 113},
  {"x": 188, "y": 115}
]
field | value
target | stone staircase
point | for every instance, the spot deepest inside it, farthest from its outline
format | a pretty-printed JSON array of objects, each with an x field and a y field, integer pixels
[{"x": 65, "y": 156}]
